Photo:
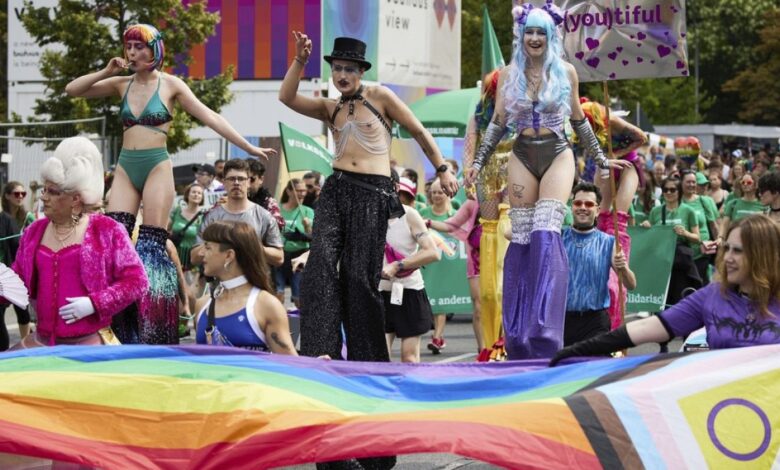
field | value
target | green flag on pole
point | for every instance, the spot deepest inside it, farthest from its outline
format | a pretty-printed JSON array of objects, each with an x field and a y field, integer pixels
[
  {"x": 302, "y": 153},
  {"x": 652, "y": 257},
  {"x": 491, "y": 51}
]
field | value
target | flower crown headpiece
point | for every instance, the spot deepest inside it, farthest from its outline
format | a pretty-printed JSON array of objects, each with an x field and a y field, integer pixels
[{"x": 521, "y": 12}]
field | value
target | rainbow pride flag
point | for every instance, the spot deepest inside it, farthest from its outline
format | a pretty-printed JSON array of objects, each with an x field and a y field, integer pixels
[{"x": 157, "y": 407}]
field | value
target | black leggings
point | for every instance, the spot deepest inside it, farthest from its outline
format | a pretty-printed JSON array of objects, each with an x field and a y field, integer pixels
[{"x": 22, "y": 318}]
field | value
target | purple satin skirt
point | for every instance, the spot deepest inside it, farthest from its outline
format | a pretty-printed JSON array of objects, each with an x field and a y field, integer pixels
[{"x": 536, "y": 277}]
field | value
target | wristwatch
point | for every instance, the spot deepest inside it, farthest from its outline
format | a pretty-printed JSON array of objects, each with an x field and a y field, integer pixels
[
  {"x": 442, "y": 168},
  {"x": 401, "y": 265}
]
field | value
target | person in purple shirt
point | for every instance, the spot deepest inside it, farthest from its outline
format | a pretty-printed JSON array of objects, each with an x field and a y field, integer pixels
[{"x": 742, "y": 309}]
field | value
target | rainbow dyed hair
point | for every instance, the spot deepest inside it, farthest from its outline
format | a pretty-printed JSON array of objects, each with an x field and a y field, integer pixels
[
  {"x": 597, "y": 116},
  {"x": 555, "y": 93},
  {"x": 149, "y": 35}
]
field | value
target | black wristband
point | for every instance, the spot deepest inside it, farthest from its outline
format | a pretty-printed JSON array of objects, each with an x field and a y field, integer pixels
[{"x": 442, "y": 168}]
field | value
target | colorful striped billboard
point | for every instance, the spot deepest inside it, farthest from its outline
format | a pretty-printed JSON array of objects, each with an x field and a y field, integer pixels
[{"x": 255, "y": 37}]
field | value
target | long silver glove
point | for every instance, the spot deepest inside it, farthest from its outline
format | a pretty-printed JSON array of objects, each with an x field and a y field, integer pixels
[
  {"x": 490, "y": 140},
  {"x": 589, "y": 141}
]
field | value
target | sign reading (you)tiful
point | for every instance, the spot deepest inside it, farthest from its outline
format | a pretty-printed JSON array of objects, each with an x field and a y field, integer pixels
[{"x": 619, "y": 39}]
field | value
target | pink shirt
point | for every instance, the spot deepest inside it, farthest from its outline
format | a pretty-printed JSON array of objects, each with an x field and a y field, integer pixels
[{"x": 61, "y": 270}]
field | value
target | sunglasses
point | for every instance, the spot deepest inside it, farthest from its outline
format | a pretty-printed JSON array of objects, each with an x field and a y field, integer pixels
[
  {"x": 19, "y": 193},
  {"x": 747, "y": 183},
  {"x": 670, "y": 190},
  {"x": 350, "y": 69},
  {"x": 51, "y": 191},
  {"x": 586, "y": 204}
]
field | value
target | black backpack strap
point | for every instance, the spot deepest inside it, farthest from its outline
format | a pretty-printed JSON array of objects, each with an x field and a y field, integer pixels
[{"x": 663, "y": 214}]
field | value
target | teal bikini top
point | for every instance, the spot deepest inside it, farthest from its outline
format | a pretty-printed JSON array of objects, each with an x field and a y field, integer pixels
[{"x": 154, "y": 114}]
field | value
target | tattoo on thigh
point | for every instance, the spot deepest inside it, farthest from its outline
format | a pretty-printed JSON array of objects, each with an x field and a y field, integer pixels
[{"x": 517, "y": 190}]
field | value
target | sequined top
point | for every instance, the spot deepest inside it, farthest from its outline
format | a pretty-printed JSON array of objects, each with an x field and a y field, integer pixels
[
  {"x": 530, "y": 117},
  {"x": 153, "y": 115},
  {"x": 61, "y": 270}
]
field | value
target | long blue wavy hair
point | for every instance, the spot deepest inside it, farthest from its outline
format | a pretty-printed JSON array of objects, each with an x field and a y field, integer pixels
[{"x": 555, "y": 93}]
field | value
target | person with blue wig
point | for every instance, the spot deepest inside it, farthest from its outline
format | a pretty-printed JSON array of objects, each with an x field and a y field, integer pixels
[
  {"x": 144, "y": 173},
  {"x": 535, "y": 93}
]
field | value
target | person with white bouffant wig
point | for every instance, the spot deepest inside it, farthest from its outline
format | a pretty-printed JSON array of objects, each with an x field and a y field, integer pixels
[{"x": 79, "y": 266}]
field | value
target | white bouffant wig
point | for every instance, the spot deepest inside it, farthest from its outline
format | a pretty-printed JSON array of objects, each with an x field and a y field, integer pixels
[{"x": 76, "y": 166}]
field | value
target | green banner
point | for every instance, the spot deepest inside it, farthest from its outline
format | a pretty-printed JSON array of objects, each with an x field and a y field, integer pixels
[
  {"x": 302, "y": 153},
  {"x": 445, "y": 280},
  {"x": 652, "y": 255}
]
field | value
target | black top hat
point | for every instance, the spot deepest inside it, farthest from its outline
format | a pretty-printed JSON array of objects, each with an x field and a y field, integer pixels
[{"x": 350, "y": 49}]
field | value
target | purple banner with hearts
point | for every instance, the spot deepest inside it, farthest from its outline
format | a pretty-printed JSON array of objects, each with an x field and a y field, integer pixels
[{"x": 623, "y": 39}]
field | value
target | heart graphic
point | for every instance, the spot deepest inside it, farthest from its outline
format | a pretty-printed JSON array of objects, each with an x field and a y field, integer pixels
[
  {"x": 682, "y": 34},
  {"x": 652, "y": 61},
  {"x": 579, "y": 55},
  {"x": 680, "y": 64},
  {"x": 625, "y": 62},
  {"x": 639, "y": 44},
  {"x": 612, "y": 55},
  {"x": 632, "y": 37},
  {"x": 674, "y": 46},
  {"x": 685, "y": 72},
  {"x": 619, "y": 49},
  {"x": 641, "y": 36},
  {"x": 639, "y": 60},
  {"x": 612, "y": 75},
  {"x": 592, "y": 43},
  {"x": 663, "y": 51},
  {"x": 666, "y": 33},
  {"x": 594, "y": 62}
]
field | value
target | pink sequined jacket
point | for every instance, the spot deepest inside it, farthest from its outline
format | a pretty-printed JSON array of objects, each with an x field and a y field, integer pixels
[{"x": 111, "y": 271}]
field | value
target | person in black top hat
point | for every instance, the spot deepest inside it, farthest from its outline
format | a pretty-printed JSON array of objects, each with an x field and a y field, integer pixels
[{"x": 355, "y": 203}]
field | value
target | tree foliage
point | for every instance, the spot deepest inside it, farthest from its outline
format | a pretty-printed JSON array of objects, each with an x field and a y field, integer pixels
[
  {"x": 758, "y": 87},
  {"x": 91, "y": 32},
  {"x": 725, "y": 32}
]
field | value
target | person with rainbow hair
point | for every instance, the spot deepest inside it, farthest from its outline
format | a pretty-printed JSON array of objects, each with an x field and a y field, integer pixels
[
  {"x": 626, "y": 138},
  {"x": 144, "y": 173},
  {"x": 535, "y": 92}
]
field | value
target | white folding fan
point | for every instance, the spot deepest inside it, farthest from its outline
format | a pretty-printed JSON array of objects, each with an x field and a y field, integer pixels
[{"x": 12, "y": 287}]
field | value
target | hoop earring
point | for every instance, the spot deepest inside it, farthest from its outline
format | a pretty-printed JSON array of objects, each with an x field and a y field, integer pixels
[{"x": 75, "y": 218}]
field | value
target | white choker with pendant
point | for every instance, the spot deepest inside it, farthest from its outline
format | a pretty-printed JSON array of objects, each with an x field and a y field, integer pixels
[
  {"x": 229, "y": 284},
  {"x": 233, "y": 283}
]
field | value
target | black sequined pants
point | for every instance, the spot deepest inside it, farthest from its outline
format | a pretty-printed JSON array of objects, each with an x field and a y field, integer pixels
[{"x": 341, "y": 279}]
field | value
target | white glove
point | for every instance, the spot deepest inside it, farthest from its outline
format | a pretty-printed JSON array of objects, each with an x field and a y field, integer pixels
[{"x": 76, "y": 309}]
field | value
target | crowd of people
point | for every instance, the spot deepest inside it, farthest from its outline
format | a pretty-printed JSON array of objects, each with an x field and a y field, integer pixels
[{"x": 349, "y": 247}]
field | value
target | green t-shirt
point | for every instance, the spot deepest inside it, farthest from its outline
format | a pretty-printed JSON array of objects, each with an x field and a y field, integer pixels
[
  {"x": 683, "y": 215},
  {"x": 706, "y": 212},
  {"x": 427, "y": 213},
  {"x": 739, "y": 208},
  {"x": 293, "y": 220},
  {"x": 568, "y": 218}
]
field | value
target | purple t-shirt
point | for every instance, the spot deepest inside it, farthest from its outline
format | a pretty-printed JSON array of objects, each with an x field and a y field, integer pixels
[{"x": 731, "y": 320}]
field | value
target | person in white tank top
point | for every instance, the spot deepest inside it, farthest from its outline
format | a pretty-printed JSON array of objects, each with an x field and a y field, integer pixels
[{"x": 409, "y": 248}]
